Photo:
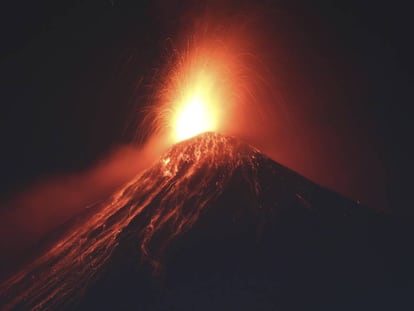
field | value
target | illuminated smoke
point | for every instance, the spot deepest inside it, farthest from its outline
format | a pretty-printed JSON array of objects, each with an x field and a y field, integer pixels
[{"x": 51, "y": 202}]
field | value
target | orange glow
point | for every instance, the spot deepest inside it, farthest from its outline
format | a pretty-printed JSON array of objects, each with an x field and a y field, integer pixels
[
  {"x": 214, "y": 82},
  {"x": 201, "y": 87},
  {"x": 198, "y": 109}
]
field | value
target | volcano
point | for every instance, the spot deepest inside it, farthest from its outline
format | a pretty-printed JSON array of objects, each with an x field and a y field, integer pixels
[{"x": 216, "y": 225}]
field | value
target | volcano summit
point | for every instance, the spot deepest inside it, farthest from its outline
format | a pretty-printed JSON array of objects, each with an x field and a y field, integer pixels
[{"x": 214, "y": 225}]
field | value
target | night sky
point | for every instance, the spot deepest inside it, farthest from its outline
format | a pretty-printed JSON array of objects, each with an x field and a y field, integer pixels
[{"x": 76, "y": 75}]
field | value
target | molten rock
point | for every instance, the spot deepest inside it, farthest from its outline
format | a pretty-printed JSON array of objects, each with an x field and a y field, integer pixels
[{"x": 214, "y": 224}]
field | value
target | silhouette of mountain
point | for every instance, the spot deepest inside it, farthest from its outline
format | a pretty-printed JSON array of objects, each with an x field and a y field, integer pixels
[{"x": 217, "y": 225}]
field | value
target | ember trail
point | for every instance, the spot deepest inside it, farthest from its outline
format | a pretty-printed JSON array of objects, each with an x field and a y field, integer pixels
[
  {"x": 171, "y": 194},
  {"x": 166, "y": 204}
]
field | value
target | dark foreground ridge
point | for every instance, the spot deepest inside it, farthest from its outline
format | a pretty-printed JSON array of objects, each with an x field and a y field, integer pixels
[{"x": 216, "y": 225}]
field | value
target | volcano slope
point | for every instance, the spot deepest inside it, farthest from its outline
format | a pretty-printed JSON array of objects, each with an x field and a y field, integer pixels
[{"x": 216, "y": 225}]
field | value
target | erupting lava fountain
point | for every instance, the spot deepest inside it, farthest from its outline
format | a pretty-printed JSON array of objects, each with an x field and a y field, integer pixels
[
  {"x": 225, "y": 225},
  {"x": 203, "y": 90}
]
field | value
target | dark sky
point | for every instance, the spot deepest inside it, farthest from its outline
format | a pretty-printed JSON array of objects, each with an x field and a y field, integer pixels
[{"x": 72, "y": 72}]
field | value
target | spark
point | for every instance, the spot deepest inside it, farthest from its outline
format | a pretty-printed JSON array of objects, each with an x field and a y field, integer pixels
[
  {"x": 200, "y": 88},
  {"x": 197, "y": 113}
]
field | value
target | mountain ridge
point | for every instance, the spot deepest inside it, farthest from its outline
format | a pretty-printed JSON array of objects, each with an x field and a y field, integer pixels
[{"x": 210, "y": 188}]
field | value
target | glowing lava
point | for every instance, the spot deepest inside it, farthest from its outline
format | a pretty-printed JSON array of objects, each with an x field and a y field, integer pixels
[
  {"x": 161, "y": 205},
  {"x": 197, "y": 111},
  {"x": 171, "y": 195},
  {"x": 200, "y": 88}
]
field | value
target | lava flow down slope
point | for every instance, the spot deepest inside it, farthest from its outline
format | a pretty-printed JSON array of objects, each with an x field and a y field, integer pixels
[{"x": 213, "y": 225}]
